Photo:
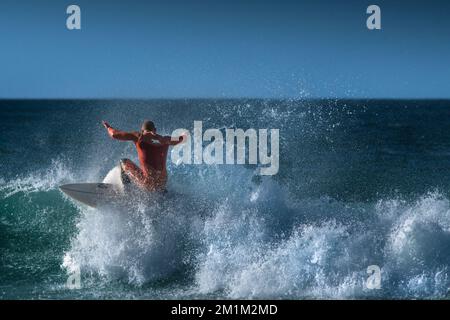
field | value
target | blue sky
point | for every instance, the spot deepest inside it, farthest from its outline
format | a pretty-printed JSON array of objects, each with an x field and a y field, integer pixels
[{"x": 246, "y": 48}]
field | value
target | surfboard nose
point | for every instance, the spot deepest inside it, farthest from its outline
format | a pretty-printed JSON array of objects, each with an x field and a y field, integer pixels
[
  {"x": 64, "y": 187},
  {"x": 92, "y": 194}
]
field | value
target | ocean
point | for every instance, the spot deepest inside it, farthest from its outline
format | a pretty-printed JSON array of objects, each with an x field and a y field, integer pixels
[{"x": 360, "y": 183}]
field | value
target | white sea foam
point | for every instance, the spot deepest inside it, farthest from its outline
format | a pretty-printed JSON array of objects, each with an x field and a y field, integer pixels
[
  {"x": 258, "y": 243},
  {"x": 329, "y": 259},
  {"x": 44, "y": 180}
]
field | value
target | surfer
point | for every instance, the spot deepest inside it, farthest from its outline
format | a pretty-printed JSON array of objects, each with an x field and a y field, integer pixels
[{"x": 152, "y": 150}]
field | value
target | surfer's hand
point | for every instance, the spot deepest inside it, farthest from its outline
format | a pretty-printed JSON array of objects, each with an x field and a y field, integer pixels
[
  {"x": 108, "y": 128},
  {"x": 182, "y": 138},
  {"x": 106, "y": 124}
]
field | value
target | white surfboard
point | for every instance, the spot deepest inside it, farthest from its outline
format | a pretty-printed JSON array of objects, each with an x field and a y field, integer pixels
[{"x": 93, "y": 194}]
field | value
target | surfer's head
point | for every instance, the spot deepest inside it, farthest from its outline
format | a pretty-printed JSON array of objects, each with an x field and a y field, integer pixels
[{"x": 148, "y": 126}]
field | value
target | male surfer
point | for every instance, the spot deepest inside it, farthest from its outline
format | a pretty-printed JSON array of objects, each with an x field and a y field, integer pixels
[{"x": 152, "y": 152}]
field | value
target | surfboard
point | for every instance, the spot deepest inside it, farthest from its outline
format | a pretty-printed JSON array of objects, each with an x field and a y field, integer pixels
[{"x": 93, "y": 194}]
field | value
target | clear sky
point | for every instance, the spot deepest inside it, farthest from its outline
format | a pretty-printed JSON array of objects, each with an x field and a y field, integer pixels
[{"x": 228, "y": 48}]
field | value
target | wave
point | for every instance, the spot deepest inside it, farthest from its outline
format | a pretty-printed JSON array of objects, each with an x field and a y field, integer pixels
[
  {"x": 223, "y": 231},
  {"x": 329, "y": 258},
  {"x": 257, "y": 242}
]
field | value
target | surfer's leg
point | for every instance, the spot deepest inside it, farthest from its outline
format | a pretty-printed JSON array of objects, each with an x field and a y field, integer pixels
[
  {"x": 151, "y": 180},
  {"x": 131, "y": 171},
  {"x": 123, "y": 175}
]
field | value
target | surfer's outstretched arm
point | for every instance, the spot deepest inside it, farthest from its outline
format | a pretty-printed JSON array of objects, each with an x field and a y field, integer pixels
[{"x": 119, "y": 135}]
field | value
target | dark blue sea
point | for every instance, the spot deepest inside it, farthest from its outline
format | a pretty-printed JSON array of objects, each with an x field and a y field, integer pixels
[{"x": 360, "y": 183}]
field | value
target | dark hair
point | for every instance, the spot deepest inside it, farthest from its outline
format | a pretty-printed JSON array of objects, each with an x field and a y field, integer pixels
[{"x": 148, "y": 125}]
